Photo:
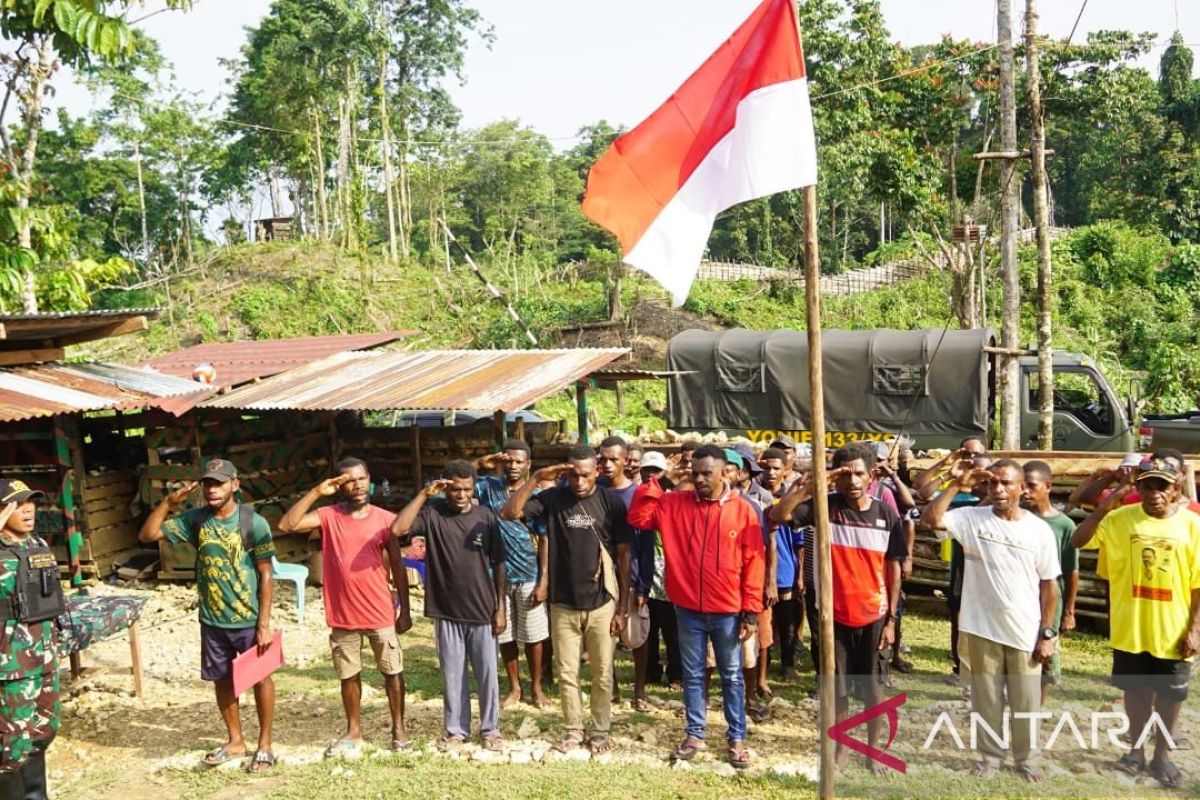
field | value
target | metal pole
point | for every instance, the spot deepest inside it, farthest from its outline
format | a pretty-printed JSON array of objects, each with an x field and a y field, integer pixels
[{"x": 812, "y": 291}]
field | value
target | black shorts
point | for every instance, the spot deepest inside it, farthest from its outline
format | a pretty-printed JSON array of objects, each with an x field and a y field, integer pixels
[
  {"x": 857, "y": 661},
  {"x": 958, "y": 561},
  {"x": 219, "y": 647},
  {"x": 1167, "y": 677}
]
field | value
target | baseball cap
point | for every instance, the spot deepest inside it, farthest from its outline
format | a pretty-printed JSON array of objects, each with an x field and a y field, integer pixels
[
  {"x": 749, "y": 459},
  {"x": 784, "y": 442},
  {"x": 732, "y": 457},
  {"x": 654, "y": 460},
  {"x": 1163, "y": 468},
  {"x": 17, "y": 492},
  {"x": 218, "y": 469},
  {"x": 1132, "y": 460}
]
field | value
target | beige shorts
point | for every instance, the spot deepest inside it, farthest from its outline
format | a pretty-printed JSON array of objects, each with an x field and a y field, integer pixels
[{"x": 347, "y": 651}]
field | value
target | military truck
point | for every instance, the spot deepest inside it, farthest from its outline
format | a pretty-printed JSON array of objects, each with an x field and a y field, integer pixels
[
  {"x": 1181, "y": 431},
  {"x": 935, "y": 386}
]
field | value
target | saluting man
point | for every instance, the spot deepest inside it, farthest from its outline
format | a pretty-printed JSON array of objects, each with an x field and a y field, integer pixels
[{"x": 30, "y": 599}]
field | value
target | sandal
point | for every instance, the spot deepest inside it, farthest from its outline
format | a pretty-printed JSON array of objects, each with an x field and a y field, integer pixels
[
  {"x": 759, "y": 714},
  {"x": 220, "y": 756},
  {"x": 1165, "y": 773},
  {"x": 263, "y": 760},
  {"x": 494, "y": 743},
  {"x": 1132, "y": 764},
  {"x": 599, "y": 744},
  {"x": 450, "y": 741},
  {"x": 902, "y": 665},
  {"x": 739, "y": 755},
  {"x": 641, "y": 705},
  {"x": 569, "y": 741},
  {"x": 401, "y": 745},
  {"x": 687, "y": 749},
  {"x": 983, "y": 769}
]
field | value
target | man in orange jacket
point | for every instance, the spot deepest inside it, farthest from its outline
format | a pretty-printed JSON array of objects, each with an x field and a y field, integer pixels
[{"x": 713, "y": 551}]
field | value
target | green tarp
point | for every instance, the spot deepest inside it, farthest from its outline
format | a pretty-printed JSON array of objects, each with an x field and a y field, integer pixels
[{"x": 923, "y": 382}]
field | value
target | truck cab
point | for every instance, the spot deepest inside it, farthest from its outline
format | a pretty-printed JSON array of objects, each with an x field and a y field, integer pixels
[{"x": 1088, "y": 415}]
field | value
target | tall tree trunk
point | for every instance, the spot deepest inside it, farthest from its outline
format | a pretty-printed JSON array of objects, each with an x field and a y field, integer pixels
[
  {"x": 1008, "y": 379},
  {"x": 343, "y": 169},
  {"x": 387, "y": 159},
  {"x": 141, "y": 187},
  {"x": 1041, "y": 216},
  {"x": 322, "y": 217},
  {"x": 32, "y": 102}
]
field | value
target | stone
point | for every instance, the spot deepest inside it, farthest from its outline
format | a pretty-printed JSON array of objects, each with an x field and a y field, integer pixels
[
  {"x": 779, "y": 702},
  {"x": 785, "y": 770},
  {"x": 528, "y": 728},
  {"x": 725, "y": 770},
  {"x": 681, "y": 765},
  {"x": 520, "y": 757},
  {"x": 486, "y": 756},
  {"x": 649, "y": 738}
]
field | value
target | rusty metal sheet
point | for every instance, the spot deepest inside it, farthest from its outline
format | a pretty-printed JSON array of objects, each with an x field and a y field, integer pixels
[
  {"x": 444, "y": 380},
  {"x": 241, "y": 362},
  {"x": 46, "y": 390}
]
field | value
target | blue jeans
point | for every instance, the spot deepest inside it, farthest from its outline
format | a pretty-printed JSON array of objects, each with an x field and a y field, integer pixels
[{"x": 695, "y": 631}]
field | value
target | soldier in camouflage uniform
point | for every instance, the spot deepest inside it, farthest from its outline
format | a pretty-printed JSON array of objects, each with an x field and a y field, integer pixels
[{"x": 29, "y": 705}]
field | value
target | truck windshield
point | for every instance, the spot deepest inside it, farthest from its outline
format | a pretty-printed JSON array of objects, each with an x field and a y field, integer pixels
[{"x": 1079, "y": 394}]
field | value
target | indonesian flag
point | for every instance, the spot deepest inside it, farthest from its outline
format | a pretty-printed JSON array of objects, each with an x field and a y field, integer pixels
[{"x": 738, "y": 129}]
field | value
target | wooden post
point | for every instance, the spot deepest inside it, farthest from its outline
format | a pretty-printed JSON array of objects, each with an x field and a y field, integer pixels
[
  {"x": 1041, "y": 221},
  {"x": 519, "y": 429},
  {"x": 418, "y": 476},
  {"x": 581, "y": 409},
  {"x": 1008, "y": 377},
  {"x": 500, "y": 428},
  {"x": 825, "y": 682},
  {"x": 69, "y": 461},
  {"x": 135, "y": 658}
]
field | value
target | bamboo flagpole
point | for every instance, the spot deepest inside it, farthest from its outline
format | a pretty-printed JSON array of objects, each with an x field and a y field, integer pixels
[{"x": 820, "y": 499}]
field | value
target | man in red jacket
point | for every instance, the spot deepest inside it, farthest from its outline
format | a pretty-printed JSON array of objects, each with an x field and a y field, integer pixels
[{"x": 713, "y": 551}]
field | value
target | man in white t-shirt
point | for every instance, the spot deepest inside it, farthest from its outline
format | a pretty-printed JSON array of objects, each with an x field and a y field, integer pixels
[{"x": 1010, "y": 594}]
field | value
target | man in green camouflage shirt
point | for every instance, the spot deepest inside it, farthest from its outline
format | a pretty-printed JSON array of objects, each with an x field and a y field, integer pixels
[{"x": 29, "y": 704}]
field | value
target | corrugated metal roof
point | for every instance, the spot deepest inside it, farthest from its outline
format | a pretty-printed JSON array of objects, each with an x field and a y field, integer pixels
[
  {"x": 44, "y": 391},
  {"x": 59, "y": 329},
  {"x": 496, "y": 380},
  {"x": 241, "y": 362}
]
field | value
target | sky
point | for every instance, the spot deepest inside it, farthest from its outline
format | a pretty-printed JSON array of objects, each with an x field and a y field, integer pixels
[{"x": 557, "y": 65}]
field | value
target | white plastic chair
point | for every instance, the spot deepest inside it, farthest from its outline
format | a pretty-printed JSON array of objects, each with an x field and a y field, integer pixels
[{"x": 297, "y": 574}]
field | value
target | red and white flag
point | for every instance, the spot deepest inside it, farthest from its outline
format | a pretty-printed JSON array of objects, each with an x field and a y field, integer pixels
[{"x": 739, "y": 128}]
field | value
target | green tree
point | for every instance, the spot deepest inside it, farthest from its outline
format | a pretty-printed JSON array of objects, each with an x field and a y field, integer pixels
[{"x": 40, "y": 36}]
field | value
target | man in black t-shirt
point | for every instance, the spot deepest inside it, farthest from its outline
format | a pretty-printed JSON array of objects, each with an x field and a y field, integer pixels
[
  {"x": 462, "y": 542},
  {"x": 583, "y": 569}
]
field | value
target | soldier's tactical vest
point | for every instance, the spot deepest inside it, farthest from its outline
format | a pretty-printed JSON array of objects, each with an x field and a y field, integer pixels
[{"x": 38, "y": 595}]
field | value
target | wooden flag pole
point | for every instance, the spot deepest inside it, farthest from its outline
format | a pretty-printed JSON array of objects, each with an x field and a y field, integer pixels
[{"x": 824, "y": 569}]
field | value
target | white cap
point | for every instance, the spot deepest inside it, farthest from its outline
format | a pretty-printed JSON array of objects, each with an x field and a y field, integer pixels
[
  {"x": 1132, "y": 460},
  {"x": 655, "y": 459}
]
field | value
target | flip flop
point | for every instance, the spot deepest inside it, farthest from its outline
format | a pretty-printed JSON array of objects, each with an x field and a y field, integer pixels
[
  {"x": 493, "y": 743},
  {"x": 1132, "y": 764},
  {"x": 220, "y": 756},
  {"x": 1165, "y": 773},
  {"x": 641, "y": 705},
  {"x": 739, "y": 755},
  {"x": 401, "y": 745},
  {"x": 450, "y": 741},
  {"x": 263, "y": 760},
  {"x": 759, "y": 714},
  {"x": 686, "y": 750}
]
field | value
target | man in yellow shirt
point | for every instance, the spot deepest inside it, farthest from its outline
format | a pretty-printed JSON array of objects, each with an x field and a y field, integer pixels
[{"x": 1150, "y": 555}]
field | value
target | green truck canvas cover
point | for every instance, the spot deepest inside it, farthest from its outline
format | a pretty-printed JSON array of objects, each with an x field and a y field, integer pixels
[{"x": 926, "y": 382}]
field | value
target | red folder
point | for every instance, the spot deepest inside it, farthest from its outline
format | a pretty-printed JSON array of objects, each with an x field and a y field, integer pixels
[{"x": 250, "y": 667}]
